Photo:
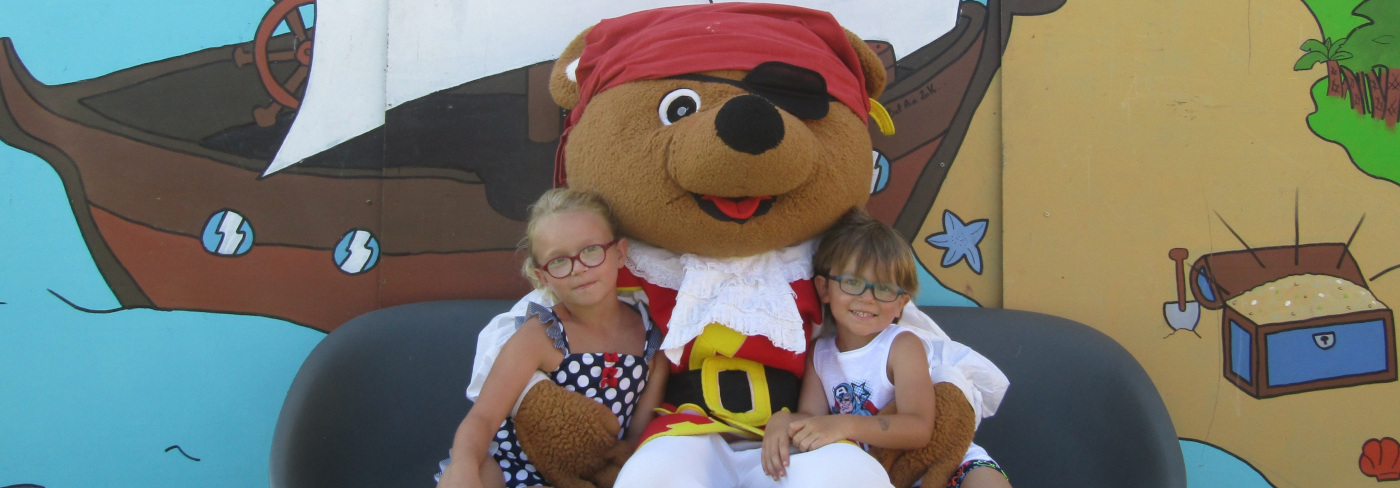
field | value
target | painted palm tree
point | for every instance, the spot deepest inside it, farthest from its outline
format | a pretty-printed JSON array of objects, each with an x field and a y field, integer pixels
[{"x": 1325, "y": 51}]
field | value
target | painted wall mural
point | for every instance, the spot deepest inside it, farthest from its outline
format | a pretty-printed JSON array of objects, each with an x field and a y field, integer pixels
[
  {"x": 1285, "y": 311},
  {"x": 288, "y": 195},
  {"x": 1380, "y": 459},
  {"x": 191, "y": 208},
  {"x": 1181, "y": 314},
  {"x": 1265, "y": 174},
  {"x": 961, "y": 241},
  {"x": 1361, "y": 50},
  {"x": 187, "y": 210}
]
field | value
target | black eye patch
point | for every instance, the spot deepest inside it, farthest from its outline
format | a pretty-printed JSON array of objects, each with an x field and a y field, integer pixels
[{"x": 797, "y": 90}]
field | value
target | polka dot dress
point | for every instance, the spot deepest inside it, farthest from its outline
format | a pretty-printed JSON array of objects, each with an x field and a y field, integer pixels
[{"x": 612, "y": 379}]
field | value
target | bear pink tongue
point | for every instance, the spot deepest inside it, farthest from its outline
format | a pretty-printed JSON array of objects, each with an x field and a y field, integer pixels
[{"x": 737, "y": 208}]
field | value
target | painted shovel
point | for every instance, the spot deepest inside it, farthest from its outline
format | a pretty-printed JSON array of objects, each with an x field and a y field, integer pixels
[{"x": 1181, "y": 314}]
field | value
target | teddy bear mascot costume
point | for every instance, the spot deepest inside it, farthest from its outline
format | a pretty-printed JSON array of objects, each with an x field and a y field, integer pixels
[{"x": 727, "y": 137}]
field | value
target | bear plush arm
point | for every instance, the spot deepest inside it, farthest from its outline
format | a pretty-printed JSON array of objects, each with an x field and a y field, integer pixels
[
  {"x": 572, "y": 440},
  {"x": 954, "y": 425},
  {"x": 967, "y": 388}
]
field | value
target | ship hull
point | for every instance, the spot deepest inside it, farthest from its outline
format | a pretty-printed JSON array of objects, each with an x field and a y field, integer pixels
[{"x": 144, "y": 204}]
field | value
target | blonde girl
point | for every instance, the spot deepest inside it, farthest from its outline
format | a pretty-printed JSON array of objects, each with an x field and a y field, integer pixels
[{"x": 588, "y": 341}]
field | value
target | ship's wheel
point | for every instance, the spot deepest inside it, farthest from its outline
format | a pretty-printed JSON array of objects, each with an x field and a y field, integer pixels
[{"x": 284, "y": 92}]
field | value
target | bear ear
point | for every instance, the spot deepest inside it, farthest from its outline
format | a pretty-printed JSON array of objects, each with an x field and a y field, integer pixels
[
  {"x": 563, "y": 85},
  {"x": 869, "y": 63}
]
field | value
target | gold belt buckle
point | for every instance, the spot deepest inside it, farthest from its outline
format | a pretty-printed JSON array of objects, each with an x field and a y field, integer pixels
[{"x": 758, "y": 390}]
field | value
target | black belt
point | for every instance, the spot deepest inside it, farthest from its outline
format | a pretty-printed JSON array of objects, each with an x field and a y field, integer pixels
[{"x": 737, "y": 392}]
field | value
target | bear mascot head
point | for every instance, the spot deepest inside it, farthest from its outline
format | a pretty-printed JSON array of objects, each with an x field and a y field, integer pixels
[
  {"x": 727, "y": 138},
  {"x": 725, "y": 131}
]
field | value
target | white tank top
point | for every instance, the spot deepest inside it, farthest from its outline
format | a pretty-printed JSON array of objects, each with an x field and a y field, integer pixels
[{"x": 856, "y": 381}]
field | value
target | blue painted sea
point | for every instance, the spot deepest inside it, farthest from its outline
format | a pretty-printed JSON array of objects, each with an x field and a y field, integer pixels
[{"x": 104, "y": 399}]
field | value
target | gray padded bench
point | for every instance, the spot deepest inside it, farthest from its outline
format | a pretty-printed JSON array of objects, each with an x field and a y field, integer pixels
[{"x": 377, "y": 402}]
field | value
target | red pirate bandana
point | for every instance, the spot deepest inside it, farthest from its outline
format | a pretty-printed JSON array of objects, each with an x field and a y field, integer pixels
[{"x": 673, "y": 41}]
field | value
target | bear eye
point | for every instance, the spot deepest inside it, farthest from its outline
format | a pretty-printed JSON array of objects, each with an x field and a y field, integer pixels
[{"x": 677, "y": 105}]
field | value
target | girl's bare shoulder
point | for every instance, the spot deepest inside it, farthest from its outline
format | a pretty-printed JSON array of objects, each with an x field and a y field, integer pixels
[{"x": 531, "y": 338}]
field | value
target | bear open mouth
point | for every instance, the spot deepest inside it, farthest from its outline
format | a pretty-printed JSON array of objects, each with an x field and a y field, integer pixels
[{"x": 738, "y": 210}]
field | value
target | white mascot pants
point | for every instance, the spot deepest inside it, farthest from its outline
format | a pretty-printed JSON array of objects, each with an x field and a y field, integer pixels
[{"x": 707, "y": 461}]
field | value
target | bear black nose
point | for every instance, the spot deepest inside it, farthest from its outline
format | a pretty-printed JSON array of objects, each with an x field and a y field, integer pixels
[{"x": 748, "y": 123}]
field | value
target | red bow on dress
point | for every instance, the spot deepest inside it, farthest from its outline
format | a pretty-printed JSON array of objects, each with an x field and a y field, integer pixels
[{"x": 610, "y": 372}]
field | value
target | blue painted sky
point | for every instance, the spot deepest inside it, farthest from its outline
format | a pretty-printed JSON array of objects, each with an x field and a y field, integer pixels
[{"x": 63, "y": 41}]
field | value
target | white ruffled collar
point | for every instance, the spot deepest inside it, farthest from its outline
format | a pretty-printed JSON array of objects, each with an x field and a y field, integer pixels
[{"x": 752, "y": 295}]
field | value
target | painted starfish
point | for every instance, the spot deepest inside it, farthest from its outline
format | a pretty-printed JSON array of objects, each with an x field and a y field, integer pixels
[{"x": 960, "y": 241}]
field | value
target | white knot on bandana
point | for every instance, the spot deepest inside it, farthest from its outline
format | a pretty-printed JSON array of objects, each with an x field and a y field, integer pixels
[{"x": 752, "y": 295}]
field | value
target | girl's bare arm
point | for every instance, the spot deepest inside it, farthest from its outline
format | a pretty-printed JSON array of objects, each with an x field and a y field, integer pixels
[{"x": 527, "y": 350}]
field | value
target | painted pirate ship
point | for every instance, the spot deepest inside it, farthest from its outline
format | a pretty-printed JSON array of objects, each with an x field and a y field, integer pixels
[{"x": 179, "y": 174}]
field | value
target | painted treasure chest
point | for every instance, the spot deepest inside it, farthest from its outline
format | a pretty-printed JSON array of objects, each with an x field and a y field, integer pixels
[{"x": 1296, "y": 318}]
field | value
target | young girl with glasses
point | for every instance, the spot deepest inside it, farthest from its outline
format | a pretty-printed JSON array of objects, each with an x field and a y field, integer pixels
[
  {"x": 865, "y": 274},
  {"x": 588, "y": 342}
]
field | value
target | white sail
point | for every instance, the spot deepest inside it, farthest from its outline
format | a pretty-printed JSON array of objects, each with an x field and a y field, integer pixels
[
  {"x": 463, "y": 40},
  {"x": 394, "y": 51},
  {"x": 905, "y": 24},
  {"x": 345, "y": 92}
]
